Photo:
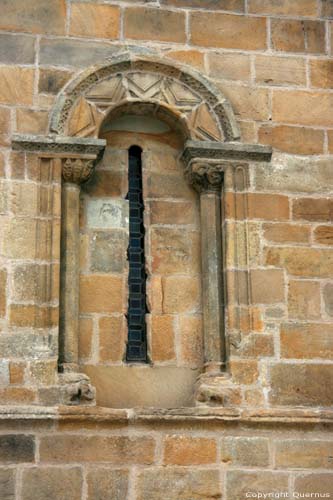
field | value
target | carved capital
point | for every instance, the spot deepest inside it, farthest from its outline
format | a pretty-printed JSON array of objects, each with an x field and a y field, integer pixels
[
  {"x": 204, "y": 176},
  {"x": 77, "y": 170}
]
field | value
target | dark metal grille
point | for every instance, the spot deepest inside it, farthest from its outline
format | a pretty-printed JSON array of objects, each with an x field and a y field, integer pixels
[{"x": 137, "y": 339}]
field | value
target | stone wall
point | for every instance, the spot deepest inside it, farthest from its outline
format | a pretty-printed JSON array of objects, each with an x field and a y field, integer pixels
[{"x": 272, "y": 60}]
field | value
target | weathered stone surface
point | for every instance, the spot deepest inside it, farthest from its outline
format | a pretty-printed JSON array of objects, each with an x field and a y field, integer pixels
[
  {"x": 297, "y": 140},
  {"x": 191, "y": 342},
  {"x": 27, "y": 344},
  {"x": 321, "y": 73},
  {"x": 162, "y": 337},
  {"x": 85, "y": 337},
  {"x": 267, "y": 286},
  {"x": 16, "y": 373},
  {"x": 30, "y": 121},
  {"x": 175, "y": 251},
  {"x": 108, "y": 251},
  {"x": 229, "y": 66},
  {"x": 17, "y": 85},
  {"x": 327, "y": 9},
  {"x": 101, "y": 293},
  {"x": 233, "y": 5},
  {"x": 95, "y": 21},
  {"x": 320, "y": 483},
  {"x": 154, "y": 24},
  {"x": 286, "y": 233},
  {"x": 313, "y": 209},
  {"x": 249, "y": 103},
  {"x": 17, "y": 49},
  {"x": 328, "y": 298},
  {"x": 181, "y": 295},
  {"x": 3, "y": 292},
  {"x": 62, "y": 52},
  {"x": 4, "y": 372},
  {"x": 244, "y": 371},
  {"x": 284, "y": 7},
  {"x": 7, "y": 484},
  {"x": 238, "y": 32},
  {"x": 307, "y": 341},
  {"x": 302, "y": 107},
  {"x": 247, "y": 451},
  {"x": 324, "y": 235},
  {"x": 308, "y": 384},
  {"x": 298, "y": 36},
  {"x": 164, "y": 185},
  {"x": 303, "y": 454},
  {"x": 166, "y": 212},
  {"x": 52, "y": 80},
  {"x": 17, "y": 448},
  {"x": 305, "y": 262},
  {"x": 107, "y": 484},
  {"x": 105, "y": 213},
  {"x": 186, "y": 483},
  {"x": 304, "y": 299},
  {"x": 112, "y": 339},
  {"x": 17, "y": 396},
  {"x": 280, "y": 70},
  {"x": 184, "y": 450},
  {"x": 253, "y": 346},
  {"x": 34, "y": 16},
  {"x": 192, "y": 57},
  {"x": 297, "y": 175},
  {"x": 116, "y": 449},
  {"x": 240, "y": 483},
  {"x": 53, "y": 483}
]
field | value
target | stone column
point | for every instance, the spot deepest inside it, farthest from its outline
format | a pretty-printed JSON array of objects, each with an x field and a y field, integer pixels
[
  {"x": 207, "y": 180},
  {"x": 74, "y": 172}
]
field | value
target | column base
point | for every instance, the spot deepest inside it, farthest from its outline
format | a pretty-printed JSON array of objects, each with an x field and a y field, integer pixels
[{"x": 214, "y": 389}]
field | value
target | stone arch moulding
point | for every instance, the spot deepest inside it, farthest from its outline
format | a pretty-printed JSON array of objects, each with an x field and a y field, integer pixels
[{"x": 214, "y": 162}]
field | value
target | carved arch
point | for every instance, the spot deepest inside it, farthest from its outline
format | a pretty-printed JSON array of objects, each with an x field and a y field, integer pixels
[{"x": 170, "y": 88}]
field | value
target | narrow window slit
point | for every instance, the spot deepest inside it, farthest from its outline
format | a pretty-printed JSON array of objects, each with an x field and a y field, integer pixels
[{"x": 137, "y": 309}]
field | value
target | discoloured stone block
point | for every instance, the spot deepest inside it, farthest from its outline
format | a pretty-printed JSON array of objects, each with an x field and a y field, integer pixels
[
  {"x": 52, "y": 80},
  {"x": 247, "y": 451},
  {"x": 95, "y": 21},
  {"x": 298, "y": 36},
  {"x": 17, "y": 448},
  {"x": 303, "y": 107},
  {"x": 107, "y": 214},
  {"x": 101, "y": 294},
  {"x": 233, "y": 5},
  {"x": 154, "y": 24},
  {"x": 175, "y": 251},
  {"x": 229, "y": 66},
  {"x": 320, "y": 483},
  {"x": 184, "y": 450},
  {"x": 312, "y": 209},
  {"x": 328, "y": 298},
  {"x": 181, "y": 296},
  {"x": 302, "y": 262},
  {"x": 16, "y": 49},
  {"x": 3, "y": 292},
  {"x": 62, "y": 52},
  {"x": 241, "y": 482},
  {"x": 280, "y": 70},
  {"x": 112, "y": 339},
  {"x": 17, "y": 85},
  {"x": 304, "y": 299},
  {"x": 7, "y": 484},
  {"x": 4, "y": 372},
  {"x": 284, "y": 7},
  {"x": 307, "y": 341},
  {"x": 191, "y": 340},
  {"x": 162, "y": 337},
  {"x": 108, "y": 251},
  {"x": 286, "y": 233},
  {"x": 53, "y": 483},
  {"x": 324, "y": 235},
  {"x": 296, "y": 140},
  {"x": 303, "y": 454},
  {"x": 107, "y": 484}
]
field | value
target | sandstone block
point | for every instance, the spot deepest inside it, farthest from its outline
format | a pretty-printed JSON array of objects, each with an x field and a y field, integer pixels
[
  {"x": 297, "y": 140},
  {"x": 298, "y": 36},
  {"x": 35, "y": 316},
  {"x": 106, "y": 183},
  {"x": 17, "y": 448},
  {"x": 165, "y": 185},
  {"x": 191, "y": 340},
  {"x": 304, "y": 299},
  {"x": 85, "y": 337},
  {"x": 17, "y": 85},
  {"x": 52, "y": 80},
  {"x": 321, "y": 483},
  {"x": 324, "y": 235},
  {"x": 3, "y": 292},
  {"x": 244, "y": 372},
  {"x": 313, "y": 209},
  {"x": 112, "y": 339},
  {"x": 267, "y": 286},
  {"x": 29, "y": 283},
  {"x": 101, "y": 294},
  {"x": 247, "y": 451},
  {"x": 268, "y": 206},
  {"x": 284, "y": 7},
  {"x": 232, "y": 5},
  {"x": 116, "y": 449},
  {"x": 54, "y": 483},
  {"x": 184, "y": 450},
  {"x": 7, "y": 483},
  {"x": 181, "y": 483},
  {"x": 181, "y": 295},
  {"x": 17, "y": 396},
  {"x": 16, "y": 372},
  {"x": 154, "y": 24},
  {"x": 107, "y": 484},
  {"x": 303, "y": 107},
  {"x": 240, "y": 483},
  {"x": 308, "y": 384},
  {"x": 30, "y": 121},
  {"x": 248, "y": 102},
  {"x": 303, "y": 454},
  {"x": 175, "y": 251},
  {"x": 154, "y": 294},
  {"x": 108, "y": 251},
  {"x": 192, "y": 57},
  {"x": 307, "y": 341},
  {"x": 19, "y": 238},
  {"x": 229, "y": 66},
  {"x": 321, "y": 73},
  {"x": 239, "y": 32},
  {"x": 286, "y": 233},
  {"x": 328, "y": 298},
  {"x": 273, "y": 70},
  {"x": 95, "y": 21},
  {"x": 17, "y": 49},
  {"x": 166, "y": 212},
  {"x": 162, "y": 337},
  {"x": 43, "y": 372},
  {"x": 326, "y": 9},
  {"x": 65, "y": 52},
  {"x": 303, "y": 262},
  {"x": 34, "y": 16},
  {"x": 253, "y": 346}
]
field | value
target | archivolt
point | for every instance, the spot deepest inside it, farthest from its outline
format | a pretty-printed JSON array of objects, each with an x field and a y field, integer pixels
[{"x": 161, "y": 84}]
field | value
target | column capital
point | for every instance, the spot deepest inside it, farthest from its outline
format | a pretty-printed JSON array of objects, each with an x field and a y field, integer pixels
[
  {"x": 77, "y": 170},
  {"x": 204, "y": 176}
]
